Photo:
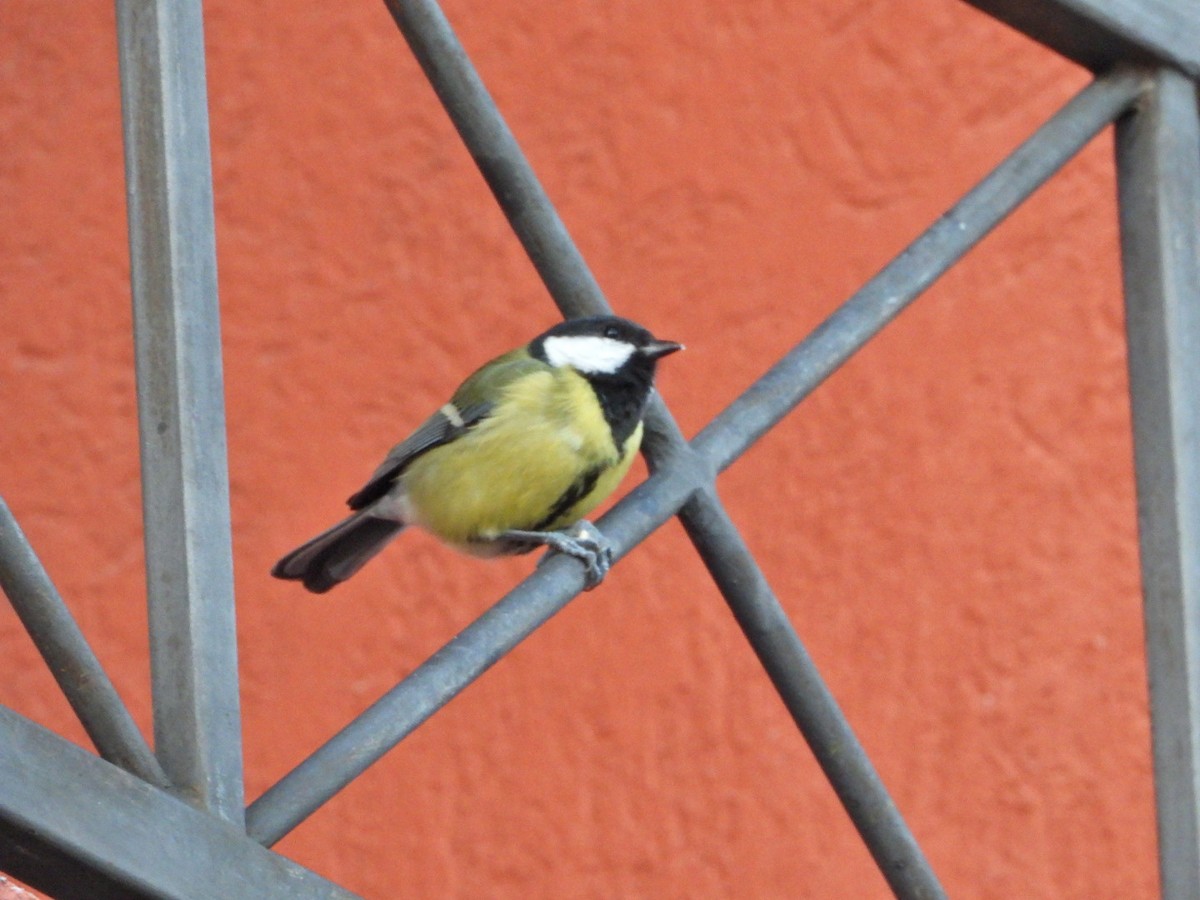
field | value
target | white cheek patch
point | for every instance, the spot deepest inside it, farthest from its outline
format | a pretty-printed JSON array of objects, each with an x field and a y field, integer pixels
[{"x": 587, "y": 353}]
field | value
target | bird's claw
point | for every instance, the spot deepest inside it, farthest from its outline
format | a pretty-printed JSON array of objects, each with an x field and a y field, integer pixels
[{"x": 584, "y": 542}]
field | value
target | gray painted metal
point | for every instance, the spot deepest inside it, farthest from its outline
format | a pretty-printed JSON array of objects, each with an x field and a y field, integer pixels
[
  {"x": 809, "y": 700},
  {"x": 1099, "y": 34},
  {"x": 77, "y": 827},
  {"x": 75, "y": 667},
  {"x": 1158, "y": 169},
  {"x": 883, "y": 297},
  {"x": 181, "y": 407},
  {"x": 429, "y": 687},
  {"x": 499, "y": 157}
]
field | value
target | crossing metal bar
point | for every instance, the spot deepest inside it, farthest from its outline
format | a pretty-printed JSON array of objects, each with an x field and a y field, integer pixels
[
  {"x": 427, "y": 689},
  {"x": 1158, "y": 175},
  {"x": 882, "y": 298},
  {"x": 494, "y": 149},
  {"x": 511, "y": 179},
  {"x": 181, "y": 407},
  {"x": 809, "y": 700},
  {"x": 78, "y": 672},
  {"x": 79, "y": 828}
]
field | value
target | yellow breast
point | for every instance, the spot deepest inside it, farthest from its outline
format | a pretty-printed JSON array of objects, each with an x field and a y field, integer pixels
[{"x": 510, "y": 470}]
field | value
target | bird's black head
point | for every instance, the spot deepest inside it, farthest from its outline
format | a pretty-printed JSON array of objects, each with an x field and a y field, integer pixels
[
  {"x": 615, "y": 355},
  {"x": 601, "y": 347}
]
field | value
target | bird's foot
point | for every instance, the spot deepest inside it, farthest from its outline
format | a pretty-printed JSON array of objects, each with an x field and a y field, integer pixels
[{"x": 582, "y": 541}]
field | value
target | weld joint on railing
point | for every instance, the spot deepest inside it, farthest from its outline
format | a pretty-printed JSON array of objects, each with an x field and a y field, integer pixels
[{"x": 1146, "y": 74}]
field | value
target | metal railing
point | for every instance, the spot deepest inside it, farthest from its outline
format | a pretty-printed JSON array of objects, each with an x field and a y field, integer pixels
[{"x": 62, "y": 830}]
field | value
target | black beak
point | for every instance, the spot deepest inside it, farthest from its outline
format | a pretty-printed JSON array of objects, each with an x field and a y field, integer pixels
[{"x": 657, "y": 349}]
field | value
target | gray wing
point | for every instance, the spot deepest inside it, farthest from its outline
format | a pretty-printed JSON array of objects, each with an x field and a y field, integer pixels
[{"x": 445, "y": 425}]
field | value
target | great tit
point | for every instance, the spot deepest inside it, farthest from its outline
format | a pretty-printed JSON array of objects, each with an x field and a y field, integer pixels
[{"x": 528, "y": 445}]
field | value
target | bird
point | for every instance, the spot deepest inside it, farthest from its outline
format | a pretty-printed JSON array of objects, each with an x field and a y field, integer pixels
[{"x": 526, "y": 447}]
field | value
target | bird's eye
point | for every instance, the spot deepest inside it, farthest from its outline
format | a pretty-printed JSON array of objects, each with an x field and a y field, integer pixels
[{"x": 612, "y": 332}]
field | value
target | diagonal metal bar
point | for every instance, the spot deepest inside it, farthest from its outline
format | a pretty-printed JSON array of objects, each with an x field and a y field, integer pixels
[
  {"x": 78, "y": 672},
  {"x": 444, "y": 675},
  {"x": 882, "y": 298},
  {"x": 1100, "y": 34},
  {"x": 181, "y": 407},
  {"x": 1158, "y": 175},
  {"x": 808, "y": 699},
  {"x": 80, "y": 829},
  {"x": 504, "y": 166}
]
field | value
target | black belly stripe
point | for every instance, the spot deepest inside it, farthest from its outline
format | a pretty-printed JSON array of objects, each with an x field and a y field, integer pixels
[{"x": 579, "y": 489}]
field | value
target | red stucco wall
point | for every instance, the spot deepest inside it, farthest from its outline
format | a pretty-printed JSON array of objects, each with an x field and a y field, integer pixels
[{"x": 949, "y": 520}]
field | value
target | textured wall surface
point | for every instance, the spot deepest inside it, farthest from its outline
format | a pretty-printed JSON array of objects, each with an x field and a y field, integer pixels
[{"x": 949, "y": 520}]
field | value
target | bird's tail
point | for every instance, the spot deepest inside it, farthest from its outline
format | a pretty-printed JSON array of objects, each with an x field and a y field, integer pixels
[{"x": 337, "y": 553}]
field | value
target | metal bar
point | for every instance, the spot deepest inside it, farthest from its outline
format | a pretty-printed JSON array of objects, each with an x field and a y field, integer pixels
[
  {"x": 809, "y": 700},
  {"x": 75, "y": 667},
  {"x": 440, "y": 678},
  {"x": 1099, "y": 34},
  {"x": 494, "y": 149},
  {"x": 882, "y": 298},
  {"x": 181, "y": 410},
  {"x": 76, "y": 827},
  {"x": 787, "y": 663},
  {"x": 1158, "y": 175}
]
